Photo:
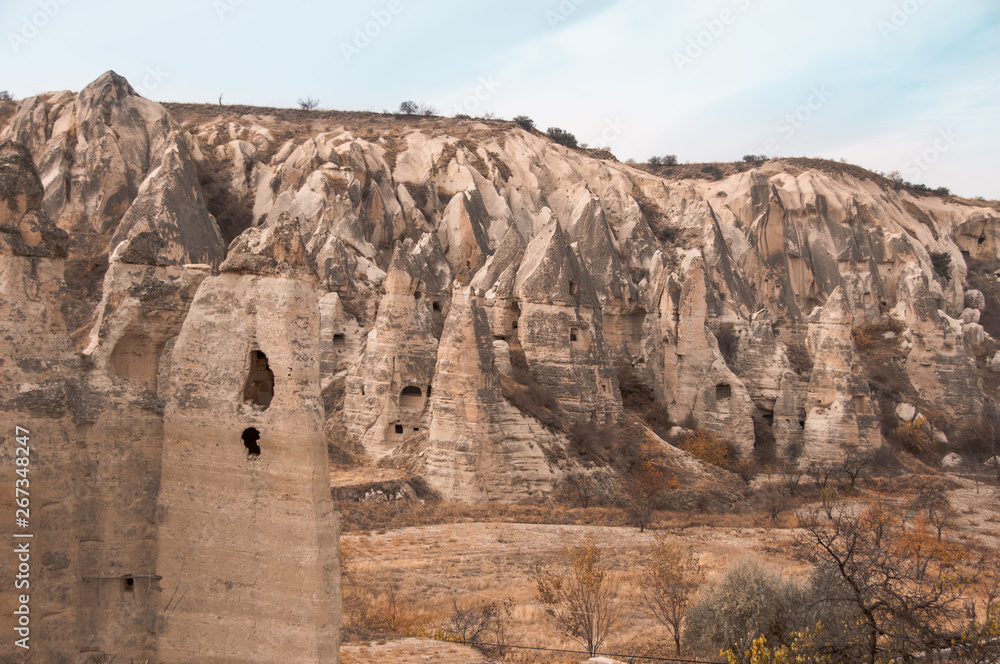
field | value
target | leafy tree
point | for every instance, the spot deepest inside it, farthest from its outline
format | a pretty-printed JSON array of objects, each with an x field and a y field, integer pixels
[
  {"x": 525, "y": 122},
  {"x": 644, "y": 491},
  {"x": 562, "y": 137},
  {"x": 906, "y": 589},
  {"x": 583, "y": 601},
  {"x": 670, "y": 579}
]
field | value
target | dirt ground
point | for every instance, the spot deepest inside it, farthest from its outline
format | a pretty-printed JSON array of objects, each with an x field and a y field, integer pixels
[{"x": 431, "y": 568}]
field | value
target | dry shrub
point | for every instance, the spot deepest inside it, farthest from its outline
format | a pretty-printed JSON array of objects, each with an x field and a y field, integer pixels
[
  {"x": 531, "y": 398},
  {"x": 369, "y": 611},
  {"x": 915, "y": 437},
  {"x": 867, "y": 336},
  {"x": 486, "y": 626},
  {"x": 623, "y": 446},
  {"x": 710, "y": 448},
  {"x": 638, "y": 399},
  {"x": 373, "y": 516},
  {"x": 232, "y": 211},
  {"x": 798, "y": 357},
  {"x": 764, "y": 445},
  {"x": 729, "y": 343}
]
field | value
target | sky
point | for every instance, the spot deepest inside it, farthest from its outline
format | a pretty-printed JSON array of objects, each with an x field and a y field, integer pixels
[{"x": 892, "y": 85}]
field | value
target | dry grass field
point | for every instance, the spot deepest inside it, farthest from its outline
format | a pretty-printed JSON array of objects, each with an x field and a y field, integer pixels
[{"x": 422, "y": 571}]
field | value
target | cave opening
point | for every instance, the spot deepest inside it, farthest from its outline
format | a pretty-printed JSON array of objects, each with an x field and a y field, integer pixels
[
  {"x": 259, "y": 388},
  {"x": 339, "y": 340},
  {"x": 723, "y": 391},
  {"x": 251, "y": 438},
  {"x": 411, "y": 397}
]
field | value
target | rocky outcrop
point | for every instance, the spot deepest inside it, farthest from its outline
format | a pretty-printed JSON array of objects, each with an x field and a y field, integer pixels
[
  {"x": 839, "y": 409},
  {"x": 480, "y": 447},
  {"x": 392, "y": 287},
  {"x": 244, "y": 424},
  {"x": 97, "y": 411},
  {"x": 387, "y": 391}
]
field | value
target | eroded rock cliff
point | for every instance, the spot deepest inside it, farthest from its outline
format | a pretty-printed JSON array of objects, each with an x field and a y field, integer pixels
[{"x": 391, "y": 285}]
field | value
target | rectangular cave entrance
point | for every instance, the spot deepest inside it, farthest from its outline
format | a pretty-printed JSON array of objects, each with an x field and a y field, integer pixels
[{"x": 259, "y": 387}]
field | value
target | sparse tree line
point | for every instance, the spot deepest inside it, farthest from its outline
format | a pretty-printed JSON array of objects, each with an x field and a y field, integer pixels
[{"x": 885, "y": 586}]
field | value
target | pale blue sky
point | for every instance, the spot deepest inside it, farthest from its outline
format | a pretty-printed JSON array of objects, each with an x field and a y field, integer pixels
[{"x": 887, "y": 80}]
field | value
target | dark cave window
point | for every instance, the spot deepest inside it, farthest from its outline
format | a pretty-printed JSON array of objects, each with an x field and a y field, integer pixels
[
  {"x": 128, "y": 583},
  {"x": 339, "y": 340},
  {"x": 573, "y": 287},
  {"x": 399, "y": 428},
  {"x": 436, "y": 306},
  {"x": 573, "y": 334},
  {"x": 411, "y": 397},
  {"x": 723, "y": 391},
  {"x": 259, "y": 388},
  {"x": 250, "y": 438}
]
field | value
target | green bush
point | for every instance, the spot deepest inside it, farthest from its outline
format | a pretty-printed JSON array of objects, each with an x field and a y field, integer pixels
[
  {"x": 562, "y": 137},
  {"x": 665, "y": 160},
  {"x": 712, "y": 171},
  {"x": 749, "y": 601},
  {"x": 942, "y": 264},
  {"x": 525, "y": 122}
]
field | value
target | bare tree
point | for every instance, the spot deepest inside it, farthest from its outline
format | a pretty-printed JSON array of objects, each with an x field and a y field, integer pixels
[
  {"x": 584, "y": 601},
  {"x": 932, "y": 499},
  {"x": 857, "y": 462},
  {"x": 486, "y": 626},
  {"x": 308, "y": 103},
  {"x": 582, "y": 486},
  {"x": 669, "y": 581},
  {"x": 409, "y": 108},
  {"x": 820, "y": 473}
]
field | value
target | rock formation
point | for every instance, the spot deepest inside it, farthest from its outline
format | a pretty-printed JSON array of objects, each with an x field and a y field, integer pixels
[{"x": 389, "y": 282}]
